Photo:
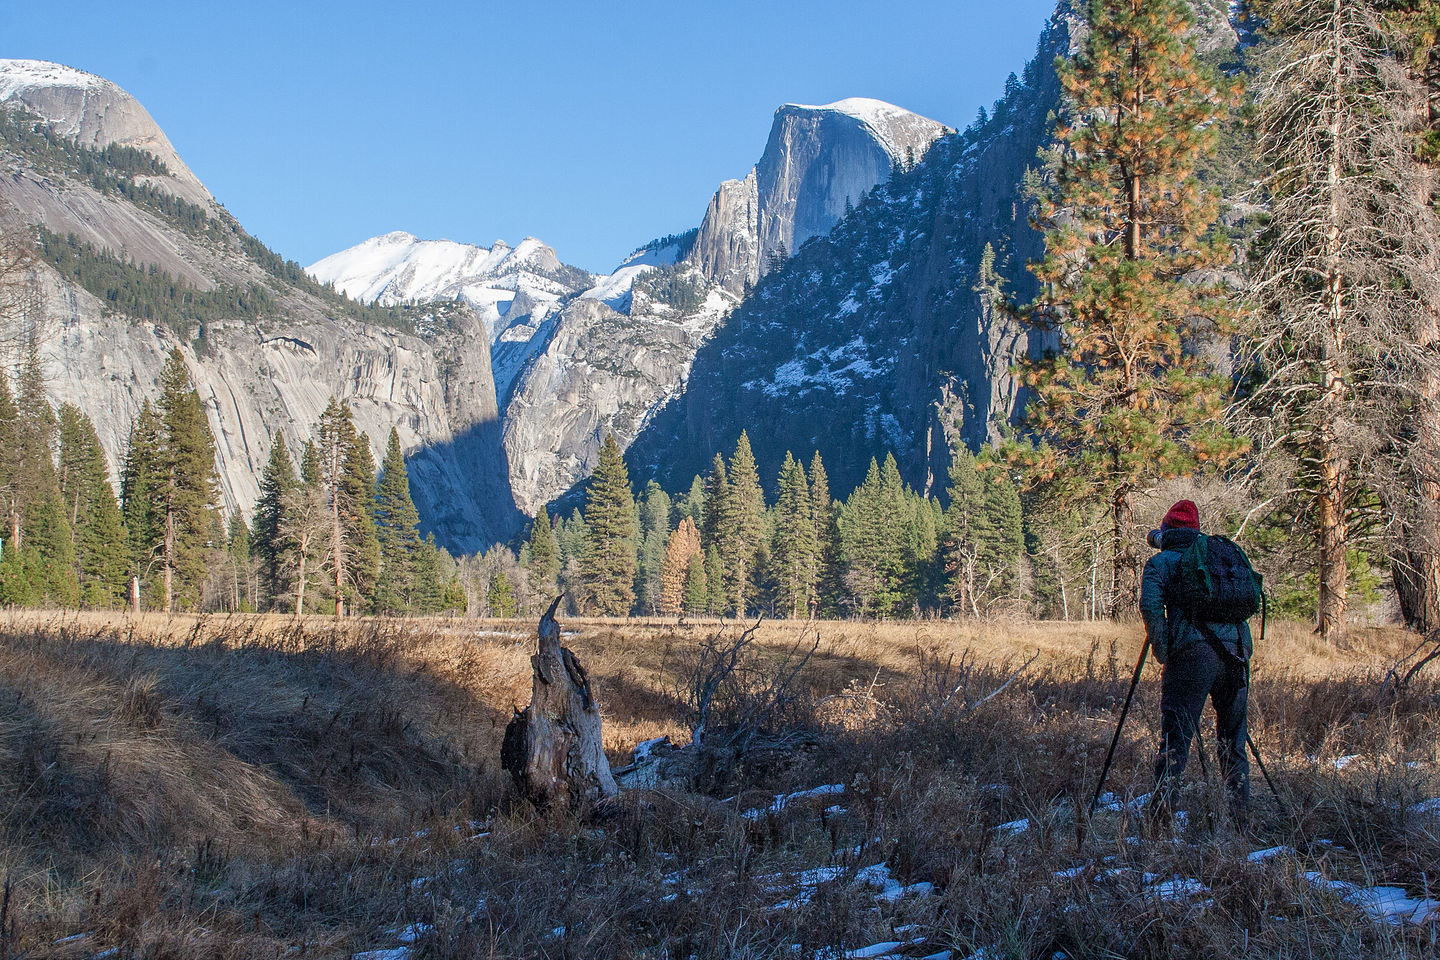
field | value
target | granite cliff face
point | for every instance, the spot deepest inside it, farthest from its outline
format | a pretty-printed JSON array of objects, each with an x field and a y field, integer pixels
[
  {"x": 429, "y": 376},
  {"x": 574, "y": 364},
  {"x": 95, "y": 113},
  {"x": 818, "y": 163},
  {"x": 881, "y": 335}
]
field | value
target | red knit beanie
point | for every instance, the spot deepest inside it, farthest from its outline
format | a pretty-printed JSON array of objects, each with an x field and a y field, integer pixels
[{"x": 1183, "y": 514}]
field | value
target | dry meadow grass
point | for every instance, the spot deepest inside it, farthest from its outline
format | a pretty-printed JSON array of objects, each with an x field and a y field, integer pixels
[{"x": 247, "y": 786}]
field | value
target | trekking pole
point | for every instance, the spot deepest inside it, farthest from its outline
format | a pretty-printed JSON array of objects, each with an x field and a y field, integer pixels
[
  {"x": 1124, "y": 712},
  {"x": 1255, "y": 752}
]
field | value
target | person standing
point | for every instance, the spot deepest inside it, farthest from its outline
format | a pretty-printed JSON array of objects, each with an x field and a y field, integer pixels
[{"x": 1203, "y": 642}]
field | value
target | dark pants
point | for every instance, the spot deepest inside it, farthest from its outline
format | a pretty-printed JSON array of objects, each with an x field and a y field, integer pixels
[{"x": 1193, "y": 673}]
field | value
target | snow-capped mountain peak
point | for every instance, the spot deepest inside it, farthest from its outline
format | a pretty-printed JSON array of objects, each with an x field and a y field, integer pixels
[{"x": 96, "y": 113}]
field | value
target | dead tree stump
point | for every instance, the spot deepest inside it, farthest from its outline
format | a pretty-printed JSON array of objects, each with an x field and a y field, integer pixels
[{"x": 552, "y": 748}]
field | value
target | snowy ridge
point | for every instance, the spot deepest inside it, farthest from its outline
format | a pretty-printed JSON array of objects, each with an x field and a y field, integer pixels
[
  {"x": 892, "y": 126},
  {"x": 17, "y": 76}
]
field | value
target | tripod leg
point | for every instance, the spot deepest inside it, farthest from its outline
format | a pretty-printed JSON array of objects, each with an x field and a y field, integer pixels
[{"x": 1124, "y": 712}]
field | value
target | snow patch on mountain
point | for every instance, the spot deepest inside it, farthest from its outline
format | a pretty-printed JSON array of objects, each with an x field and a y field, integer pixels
[
  {"x": 17, "y": 76},
  {"x": 894, "y": 127}
]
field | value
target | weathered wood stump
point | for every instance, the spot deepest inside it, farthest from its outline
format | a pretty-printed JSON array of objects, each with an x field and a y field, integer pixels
[{"x": 552, "y": 748}]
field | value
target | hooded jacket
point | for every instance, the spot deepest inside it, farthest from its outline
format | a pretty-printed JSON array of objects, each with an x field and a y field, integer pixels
[{"x": 1167, "y": 623}]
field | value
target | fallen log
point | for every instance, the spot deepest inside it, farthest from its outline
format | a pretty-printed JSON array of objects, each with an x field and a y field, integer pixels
[{"x": 553, "y": 747}]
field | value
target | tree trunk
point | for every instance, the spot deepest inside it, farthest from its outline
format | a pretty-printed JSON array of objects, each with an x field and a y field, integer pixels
[
  {"x": 553, "y": 747},
  {"x": 300, "y": 584},
  {"x": 1330, "y": 498},
  {"x": 169, "y": 558},
  {"x": 1124, "y": 584},
  {"x": 135, "y": 595}
]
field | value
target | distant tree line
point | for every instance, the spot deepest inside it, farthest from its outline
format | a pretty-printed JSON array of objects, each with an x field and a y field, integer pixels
[
  {"x": 329, "y": 536},
  {"x": 722, "y": 547}
]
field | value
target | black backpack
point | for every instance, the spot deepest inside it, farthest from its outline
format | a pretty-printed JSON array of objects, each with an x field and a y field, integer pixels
[{"x": 1217, "y": 583}]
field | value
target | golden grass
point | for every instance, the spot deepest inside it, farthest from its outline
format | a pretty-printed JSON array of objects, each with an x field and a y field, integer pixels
[{"x": 251, "y": 785}]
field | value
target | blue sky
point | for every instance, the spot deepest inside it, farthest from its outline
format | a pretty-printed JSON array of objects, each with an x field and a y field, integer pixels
[{"x": 594, "y": 127}]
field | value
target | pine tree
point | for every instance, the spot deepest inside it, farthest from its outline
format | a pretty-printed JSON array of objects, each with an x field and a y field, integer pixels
[
  {"x": 681, "y": 552},
  {"x": 501, "y": 596},
  {"x": 189, "y": 488},
  {"x": 237, "y": 551},
  {"x": 13, "y": 588},
  {"x": 795, "y": 546},
  {"x": 697, "y": 591},
  {"x": 872, "y": 541},
  {"x": 654, "y": 532},
  {"x": 692, "y": 504},
  {"x": 345, "y": 474},
  {"x": 101, "y": 556},
  {"x": 141, "y": 489},
  {"x": 358, "y": 486},
  {"x": 544, "y": 564},
  {"x": 396, "y": 523},
  {"x": 714, "y": 582},
  {"x": 740, "y": 526},
  {"x": 827, "y": 586},
  {"x": 40, "y": 528},
  {"x": 717, "y": 489},
  {"x": 961, "y": 547},
  {"x": 1122, "y": 403},
  {"x": 609, "y": 561},
  {"x": 276, "y": 485}
]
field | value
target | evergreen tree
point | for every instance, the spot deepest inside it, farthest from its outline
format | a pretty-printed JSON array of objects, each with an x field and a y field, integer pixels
[
  {"x": 40, "y": 529},
  {"x": 358, "y": 486},
  {"x": 13, "y": 587},
  {"x": 717, "y": 489},
  {"x": 654, "y": 516},
  {"x": 189, "y": 489},
  {"x": 101, "y": 556},
  {"x": 741, "y": 525},
  {"x": 795, "y": 547},
  {"x": 276, "y": 485},
  {"x": 692, "y": 504},
  {"x": 344, "y": 469},
  {"x": 870, "y": 533},
  {"x": 1121, "y": 402},
  {"x": 428, "y": 587},
  {"x": 544, "y": 563},
  {"x": 961, "y": 546},
  {"x": 501, "y": 596},
  {"x": 714, "y": 582},
  {"x": 609, "y": 561},
  {"x": 237, "y": 552},
  {"x": 141, "y": 482},
  {"x": 697, "y": 591},
  {"x": 827, "y": 586},
  {"x": 396, "y": 522},
  {"x": 681, "y": 551}
]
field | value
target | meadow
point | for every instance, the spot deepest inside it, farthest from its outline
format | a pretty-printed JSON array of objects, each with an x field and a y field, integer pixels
[{"x": 247, "y": 786}]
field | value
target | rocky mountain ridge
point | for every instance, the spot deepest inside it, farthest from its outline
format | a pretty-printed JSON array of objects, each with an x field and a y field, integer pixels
[
  {"x": 427, "y": 373},
  {"x": 571, "y": 366}
]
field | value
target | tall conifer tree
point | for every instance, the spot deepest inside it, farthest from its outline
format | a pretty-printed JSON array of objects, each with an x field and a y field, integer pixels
[
  {"x": 1129, "y": 224},
  {"x": 101, "y": 556},
  {"x": 609, "y": 560},
  {"x": 794, "y": 553},
  {"x": 544, "y": 556},
  {"x": 742, "y": 521},
  {"x": 267, "y": 542},
  {"x": 189, "y": 489},
  {"x": 396, "y": 523}
]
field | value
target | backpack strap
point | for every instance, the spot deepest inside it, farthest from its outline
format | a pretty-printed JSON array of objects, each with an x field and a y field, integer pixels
[{"x": 1225, "y": 653}]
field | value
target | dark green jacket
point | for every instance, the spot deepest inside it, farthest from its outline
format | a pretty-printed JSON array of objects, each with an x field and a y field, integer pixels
[{"x": 1167, "y": 623}]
